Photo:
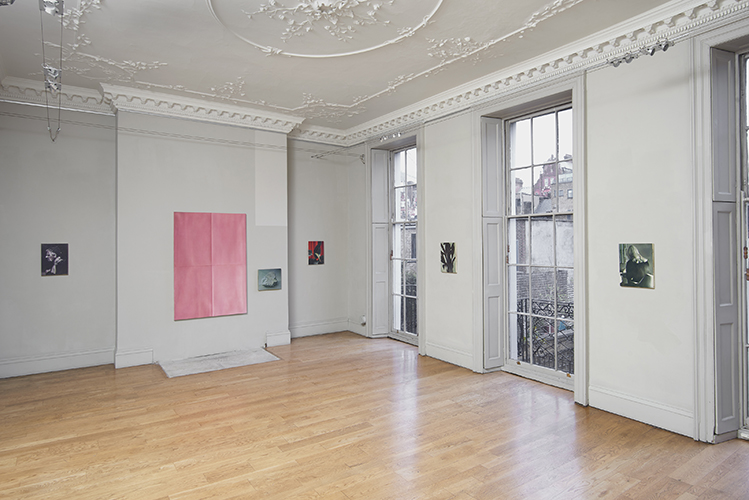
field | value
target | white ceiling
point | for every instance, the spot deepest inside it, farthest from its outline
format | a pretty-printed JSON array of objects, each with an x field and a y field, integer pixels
[{"x": 335, "y": 64}]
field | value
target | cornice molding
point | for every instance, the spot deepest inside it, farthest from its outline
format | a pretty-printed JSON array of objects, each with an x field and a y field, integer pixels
[
  {"x": 25, "y": 91},
  {"x": 676, "y": 24},
  {"x": 131, "y": 99},
  {"x": 676, "y": 21}
]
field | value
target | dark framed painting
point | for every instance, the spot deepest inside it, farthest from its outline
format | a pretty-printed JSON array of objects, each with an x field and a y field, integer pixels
[
  {"x": 54, "y": 259},
  {"x": 268, "y": 279},
  {"x": 316, "y": 253},
  {"x": 448, "y": 258},
  {"x": 637, "y": 265}
]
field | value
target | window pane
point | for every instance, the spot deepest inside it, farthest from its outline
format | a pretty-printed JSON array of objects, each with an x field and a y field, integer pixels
[
  {"x": 411, "y": 167},
  {"x": 520, "y": 143},
  {"x": 565, "y": 294},
  {"x": 400, "y": 199},
  {"x": 404, "y": 241},
  {"x": 519, "y": 328},
  {"x": 544, "y": 139},
  {"x": 398, "y": 312},
  {"x": 517, "y": 239},
  {"x": 565, "y": 134},
  {"x": 411, "y": 211},
  {"x": 564, "y": 190},
  {"x": 543, "y": 342},
  {"x": 397, "y": 268},
  {"x": 565, "y": 346},
  {"x": 410, "y": 320},
  {"x": 518, "y": 296},
  {"x": 542, "y": 241},
  {"x": 542, "y": 291},
  {"x": 399, "y": 169},
  {"x": 565, "y": 241},
  {"x": 522, "y": 188},
  {"x": 544, "y": 180},
  {"x": 410, "y": 278}
]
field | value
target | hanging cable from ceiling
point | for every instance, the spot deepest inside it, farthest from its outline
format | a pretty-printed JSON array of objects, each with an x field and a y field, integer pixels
[{"x": 52, "y": 74}]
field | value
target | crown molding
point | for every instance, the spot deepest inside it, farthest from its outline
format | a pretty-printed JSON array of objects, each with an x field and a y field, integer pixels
[
  {"x": 676, "y": 21},
  {"x": 143, "y": 101},
  {"x": 25, "y": 91}
]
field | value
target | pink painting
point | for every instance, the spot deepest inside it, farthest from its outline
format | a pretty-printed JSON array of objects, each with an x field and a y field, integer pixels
[{"x": 210, "y": 265}]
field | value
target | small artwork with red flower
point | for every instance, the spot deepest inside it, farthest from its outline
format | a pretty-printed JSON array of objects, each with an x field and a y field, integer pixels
[{"x": 316, "y": 253}]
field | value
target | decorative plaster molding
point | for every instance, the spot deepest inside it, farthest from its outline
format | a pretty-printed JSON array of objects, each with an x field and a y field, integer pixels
[
  {"x": 343, "y": 20},
  {"x": 590, "y": 53},
  {"x": 32, "y": 91},
  {"x": 339, "y": 19},
  {"x": 130, "y": 99},
  {"x": 454, "y": 48},
  {"x": 690, "y": 19}
]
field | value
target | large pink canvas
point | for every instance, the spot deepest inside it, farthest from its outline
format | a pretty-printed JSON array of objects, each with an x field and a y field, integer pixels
[{"x": 210, "y": 265}]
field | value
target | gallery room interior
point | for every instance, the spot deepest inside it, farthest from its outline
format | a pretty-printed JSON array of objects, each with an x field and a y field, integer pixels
[{"x": 496, "y": 249}]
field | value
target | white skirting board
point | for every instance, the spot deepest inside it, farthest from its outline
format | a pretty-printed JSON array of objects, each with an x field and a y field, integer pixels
[
  {"x": 450, "y": 355},
  {"x": 134, "y": 357},
  {"x": 16, "y": 367},
  {"x": 277, "y": 338},
  {"x": 309, "y": 328},
  {"x": 666, "y": 417}
]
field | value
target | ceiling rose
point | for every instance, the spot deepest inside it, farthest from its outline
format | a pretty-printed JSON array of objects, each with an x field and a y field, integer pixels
[{"x": 322, "y": 28}]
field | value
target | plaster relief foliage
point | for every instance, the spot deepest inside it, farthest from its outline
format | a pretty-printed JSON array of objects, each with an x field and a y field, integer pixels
[
  {"x": 318, "y": 108},
  {"x": 338, "y": 17},
  {"x": 454, "y": 48},
  {"x": 231, "y": 90},
  {"x": 89, "y": 66}
]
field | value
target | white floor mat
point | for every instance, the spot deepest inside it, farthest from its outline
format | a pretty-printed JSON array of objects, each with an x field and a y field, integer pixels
[{"x": 215, "y": 362}]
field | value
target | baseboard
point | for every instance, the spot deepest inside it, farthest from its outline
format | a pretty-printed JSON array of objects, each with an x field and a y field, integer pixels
[
  {"x": 278, "y": 338},
  {"x": 666, "y": 417},
  {"x": 17, "y": 367},
  {"x": 450, "y": 355},
  {"x": 135, "y": 357},
  {"x": 309, "y": 328},
  {"x": 357, "y": 328}
]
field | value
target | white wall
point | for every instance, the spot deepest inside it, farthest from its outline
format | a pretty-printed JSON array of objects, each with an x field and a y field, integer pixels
[
  {"x": 199, "y": 167},
  {"x": 640, "y": 191},
  {"x": 446, "y": 210},
  {"x": 326, "y": 203},
  {"x": 61, "y": 192}
]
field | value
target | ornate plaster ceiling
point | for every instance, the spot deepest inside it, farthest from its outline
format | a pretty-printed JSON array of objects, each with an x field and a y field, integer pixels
[{"x": 331, "y": 65}]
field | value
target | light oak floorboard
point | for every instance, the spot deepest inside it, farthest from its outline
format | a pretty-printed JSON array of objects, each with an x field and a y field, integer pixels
[{"x": 339, "y": 417}]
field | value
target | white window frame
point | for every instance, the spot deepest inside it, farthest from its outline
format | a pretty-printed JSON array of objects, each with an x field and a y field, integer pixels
[{"x": 541, "y": 96}]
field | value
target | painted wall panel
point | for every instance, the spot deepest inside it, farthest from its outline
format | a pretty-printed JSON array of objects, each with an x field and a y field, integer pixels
[
  {"x": 158, "y": 176},
  {"x": 61, "y": 192},
  {"x": 639, "y": 191},
  {"x": 321, "y": 193},
  {"x": 448, "y": 217}
]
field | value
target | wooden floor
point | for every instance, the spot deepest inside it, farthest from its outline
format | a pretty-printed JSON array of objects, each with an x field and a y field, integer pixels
[{"x": 339, "y": 417}]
